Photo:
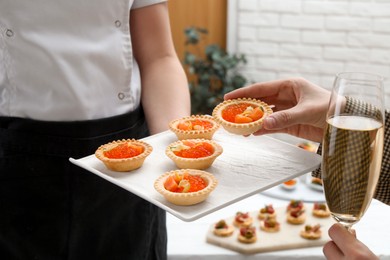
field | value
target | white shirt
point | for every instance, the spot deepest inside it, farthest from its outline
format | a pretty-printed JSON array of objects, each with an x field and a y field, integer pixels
[{"x": 67, "y": 60}]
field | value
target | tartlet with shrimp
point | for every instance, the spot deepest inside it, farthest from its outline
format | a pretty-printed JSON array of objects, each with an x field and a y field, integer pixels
[
  {"x": 124, "y": 155},
  {"x": 194, "y": 153},
  {"x": 186, "y": 186},
  {"x": 242, "y": 116},
  {"x": 194, "y": 127}
]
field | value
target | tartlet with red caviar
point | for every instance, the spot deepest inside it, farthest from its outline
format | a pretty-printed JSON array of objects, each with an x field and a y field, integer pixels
[
  {"x": 123, "y": 155},
  {"x": 242, "y": 116},
  {"x": 186, "y": 186},
  {"x": 195, "y": 126},
  {"x": 193, "y": 153}
]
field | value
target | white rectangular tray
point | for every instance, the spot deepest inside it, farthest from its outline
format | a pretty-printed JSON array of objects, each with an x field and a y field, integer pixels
[{"x": 248, "y": 165}]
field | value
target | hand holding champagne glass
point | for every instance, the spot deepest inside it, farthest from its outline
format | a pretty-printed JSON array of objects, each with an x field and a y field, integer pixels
[{"x": 353, "y": 145}]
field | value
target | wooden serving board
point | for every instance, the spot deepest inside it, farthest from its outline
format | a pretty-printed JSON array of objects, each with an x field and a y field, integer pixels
[{"x": 287, "y": 238}]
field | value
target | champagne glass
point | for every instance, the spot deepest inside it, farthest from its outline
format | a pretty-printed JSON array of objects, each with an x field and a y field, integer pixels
[{"x": 353, "y": 145}]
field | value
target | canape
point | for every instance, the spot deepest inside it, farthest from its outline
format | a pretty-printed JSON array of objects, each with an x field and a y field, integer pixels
[
  {"x": 308, "y": 146},
  {"x": 296, "y": 217},
  {"x": 267, "y": 211},
  {"x": 320, "y": 210},
  {"x": 247, "y": 235},
  {"x": 295, "y": 205},
  {"x": 242, "y": 116},
  {"x": 194, "y": 153},
  {"x": 242, "y": 219},
  {"x": 311, "y": 232},
  {"x": 123, "y": 155},
  {"x": 185, "y": 187},
  {"x": 270, "y": 224},
  {"x": 222, "y": 229},
  {"x": 194, "y": 127}
]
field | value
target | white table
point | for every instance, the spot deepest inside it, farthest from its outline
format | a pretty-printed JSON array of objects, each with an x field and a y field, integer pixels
[{"x": 187, "y": 240}]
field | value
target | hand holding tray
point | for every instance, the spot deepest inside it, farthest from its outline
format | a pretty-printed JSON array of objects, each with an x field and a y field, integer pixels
[{"x": 247, "y": 166}]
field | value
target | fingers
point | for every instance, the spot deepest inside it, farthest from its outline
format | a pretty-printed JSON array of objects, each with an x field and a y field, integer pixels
[
  {"x": 331, "y": 251},
  {"x": 283, "y": 119},
  {"x": 258, "y": 90},
  {"x": 342, "y": 237}
]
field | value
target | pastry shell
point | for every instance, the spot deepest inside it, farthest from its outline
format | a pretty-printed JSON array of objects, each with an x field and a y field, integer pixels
[
  {"x": 187, "y": 198},
  {"x": 194, "y": 163},
  {"x": 241, "y": 128},
  {"x": 123, "y": 164},
  {"x": 193, "y": 134}
]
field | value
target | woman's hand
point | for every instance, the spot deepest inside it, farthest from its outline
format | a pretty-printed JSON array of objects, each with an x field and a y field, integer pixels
[
  {"x": 299, "y": 106},
  {"x": 345, "y": 245}
]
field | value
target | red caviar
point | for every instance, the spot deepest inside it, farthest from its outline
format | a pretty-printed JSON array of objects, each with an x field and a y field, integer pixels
[
  {"x": 124, "y": 150},
  {"x": 193, "y": 183},
  {"x": 194, "y": 125},
  {"x": 195, "y": 150},
  {"x": 238, "y": 113},
  {"x": 197, "y": 183}
]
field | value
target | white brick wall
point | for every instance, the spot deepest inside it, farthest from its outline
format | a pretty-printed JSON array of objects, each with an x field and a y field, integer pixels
[{"x": 311, "y": 38}]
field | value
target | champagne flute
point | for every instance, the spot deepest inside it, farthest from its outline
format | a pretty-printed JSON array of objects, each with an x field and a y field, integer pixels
[{"x": 353, "y": 145}]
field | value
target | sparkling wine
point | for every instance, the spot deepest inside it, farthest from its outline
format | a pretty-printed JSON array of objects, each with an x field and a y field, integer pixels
[{"x": 352, "y": 155}]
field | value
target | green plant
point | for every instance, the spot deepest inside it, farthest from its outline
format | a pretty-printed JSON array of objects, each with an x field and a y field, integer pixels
[{"x": 214, "y": 72}]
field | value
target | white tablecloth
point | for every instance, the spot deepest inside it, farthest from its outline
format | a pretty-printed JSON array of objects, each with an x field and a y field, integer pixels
[{"x": 187, "y": 240}]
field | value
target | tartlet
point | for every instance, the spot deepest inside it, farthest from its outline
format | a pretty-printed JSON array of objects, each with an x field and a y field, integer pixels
[
  {"x": 188, "y": 197},
  {"x": 123, "y": 155},
  {"x": 195, "y": 126},
  {"x": 290, "y": 184},
  {"x": 193, "y": 153},
  {"x": 242, "y": 116}
]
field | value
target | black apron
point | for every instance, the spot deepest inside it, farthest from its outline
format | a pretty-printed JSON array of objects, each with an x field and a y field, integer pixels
[{"x": 52, "y": 209}]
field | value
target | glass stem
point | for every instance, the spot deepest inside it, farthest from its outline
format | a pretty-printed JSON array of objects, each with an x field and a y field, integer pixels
[{"x": 349, "y": 228}]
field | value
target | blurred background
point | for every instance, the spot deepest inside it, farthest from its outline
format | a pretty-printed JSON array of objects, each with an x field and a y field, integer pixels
[{"x": 225, "y": 44}]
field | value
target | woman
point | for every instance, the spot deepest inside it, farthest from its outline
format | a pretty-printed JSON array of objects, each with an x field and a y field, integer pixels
[
  {"x": 300, "y": 110},
  {"x": 73, "y": 76}
]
